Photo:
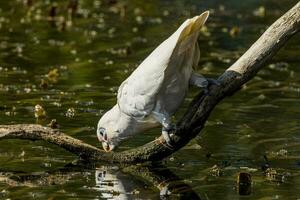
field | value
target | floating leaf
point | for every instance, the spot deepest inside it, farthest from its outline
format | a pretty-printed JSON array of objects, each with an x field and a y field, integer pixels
[
  {"x": 215, "y": 171},
  {"x": 234, "y": 31},
  {"x": 53, "y": 75},
  {"x": 39, "y": 112},
  {"x": 260, "y": 12}
]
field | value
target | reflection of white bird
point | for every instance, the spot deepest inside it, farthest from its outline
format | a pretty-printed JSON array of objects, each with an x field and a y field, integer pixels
[
  {"x": 155, "y": 90},
  {"x": 110, "y": 186}
]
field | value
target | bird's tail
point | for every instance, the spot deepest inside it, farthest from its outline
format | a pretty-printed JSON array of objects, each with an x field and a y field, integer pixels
[
  {"x": 193, "y": 25},
  {"x": 191, "y": 30}
]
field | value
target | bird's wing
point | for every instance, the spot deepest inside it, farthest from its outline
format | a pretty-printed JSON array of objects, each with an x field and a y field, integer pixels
[{"x": 137, "y": 94}]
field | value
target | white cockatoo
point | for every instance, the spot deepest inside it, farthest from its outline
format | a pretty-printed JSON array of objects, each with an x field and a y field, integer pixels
[{"x": 155, "y": 90}]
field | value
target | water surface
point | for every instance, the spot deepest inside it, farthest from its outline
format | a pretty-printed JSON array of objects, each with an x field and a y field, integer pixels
[{"x": 94, "y": 49}]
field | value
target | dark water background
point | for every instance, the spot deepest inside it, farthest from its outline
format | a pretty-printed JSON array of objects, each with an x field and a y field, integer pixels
[{"x": 94, "y": 50}]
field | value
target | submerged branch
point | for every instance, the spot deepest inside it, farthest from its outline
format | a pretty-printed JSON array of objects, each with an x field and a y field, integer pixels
[{"x": 193, "y": 121}]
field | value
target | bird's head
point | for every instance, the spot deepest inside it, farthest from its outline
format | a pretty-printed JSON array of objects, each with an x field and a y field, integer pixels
[{"x": 107, "y": 130}]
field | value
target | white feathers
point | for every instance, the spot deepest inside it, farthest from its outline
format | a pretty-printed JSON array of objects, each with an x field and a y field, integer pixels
[
  {"x": 137, "y": 95},
  {"x": 156, "y": 89}
]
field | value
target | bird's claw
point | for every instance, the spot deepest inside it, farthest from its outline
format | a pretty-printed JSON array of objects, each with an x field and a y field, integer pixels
[
  {"x": 167, "y": 133},
  {"x": 210, "y": 82}
]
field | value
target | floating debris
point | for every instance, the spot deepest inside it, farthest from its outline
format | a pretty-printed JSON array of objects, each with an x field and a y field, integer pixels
[
  {"x": 39, "y": 112},
  {"x": 27, "y": 90},
  {"x": 138, "y": 11},
  {"x": 53, "y": 75},
  {"x": 139, "y": 19},
  {"x": 215, "y": 171},
  {"x": 111, "y": 32},
  {"x": 261, "y": 97},
  {"x": 156, "y": 20},
  {"x": 234, "y": 31},
  {"x": 70, "y": 113},
  {"x": 282, "y": 152},
  {"x": 44, "y": 84},
  {"x": 97, "y": 3},
  {"x": 135, "y": 192},
  {"x": 260, "y": 12},
  {"x": 119, "y": 8},
  {"x": 280, "y": 66},
  {"x": 166, "y": 13},
  {"x": 57, "y": 104},
  {"x": 275, "y": 176},
  {"x": 109, "y": 62},
  {"x": 47, "y": 165},
  {"x": 172, "y": 158},
  {"x": 271, "y": 174},
  {"x": 224, "y": 30},
  {"x": 73, "y": 52},
  {"x": 22, "y": 154},
  {"x": 53, "y": 124},
  {"x": 221, "y": 8},
  {"x": 61, "y": 22},
  {"x": 135, "y": 29},
  {"x": 12, "y": 112},
  {"x": 244, "y": 183},
  {"x": 120, "y": 51}
]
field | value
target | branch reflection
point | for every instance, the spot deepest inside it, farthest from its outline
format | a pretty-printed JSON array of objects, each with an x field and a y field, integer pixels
[{"x": 112, "y": 182}]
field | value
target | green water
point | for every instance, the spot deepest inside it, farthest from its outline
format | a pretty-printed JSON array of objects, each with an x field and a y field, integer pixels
[{"x": 95, "y": 50}]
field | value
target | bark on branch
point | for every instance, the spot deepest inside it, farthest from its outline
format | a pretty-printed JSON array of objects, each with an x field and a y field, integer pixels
[{"x": 195, "y": 117}]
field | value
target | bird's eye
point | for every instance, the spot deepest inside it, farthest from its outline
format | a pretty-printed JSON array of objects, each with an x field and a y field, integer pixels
[{"x": 101, "y": 131}]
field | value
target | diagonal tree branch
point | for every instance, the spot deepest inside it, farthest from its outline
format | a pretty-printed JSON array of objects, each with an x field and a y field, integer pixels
[{"x": 194, "y": 119}]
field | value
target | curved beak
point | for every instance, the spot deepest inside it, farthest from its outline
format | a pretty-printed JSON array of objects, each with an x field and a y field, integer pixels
[{"x": 107, "y": 146}]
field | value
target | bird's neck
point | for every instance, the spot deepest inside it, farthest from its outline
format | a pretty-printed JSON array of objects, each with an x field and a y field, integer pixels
[
  {"x": 125, "y": 124},
  {"x": 129, "y": 125}
]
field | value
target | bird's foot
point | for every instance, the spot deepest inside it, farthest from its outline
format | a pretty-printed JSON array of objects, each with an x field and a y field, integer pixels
[
  {"x": 210, "y": 82},
  {"x": 167, "y": 134}
]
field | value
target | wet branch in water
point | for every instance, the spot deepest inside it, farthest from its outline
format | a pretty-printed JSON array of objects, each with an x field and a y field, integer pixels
[
  {"x": 193, "y": 121},
  {"x": 156, "y": 175}
]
